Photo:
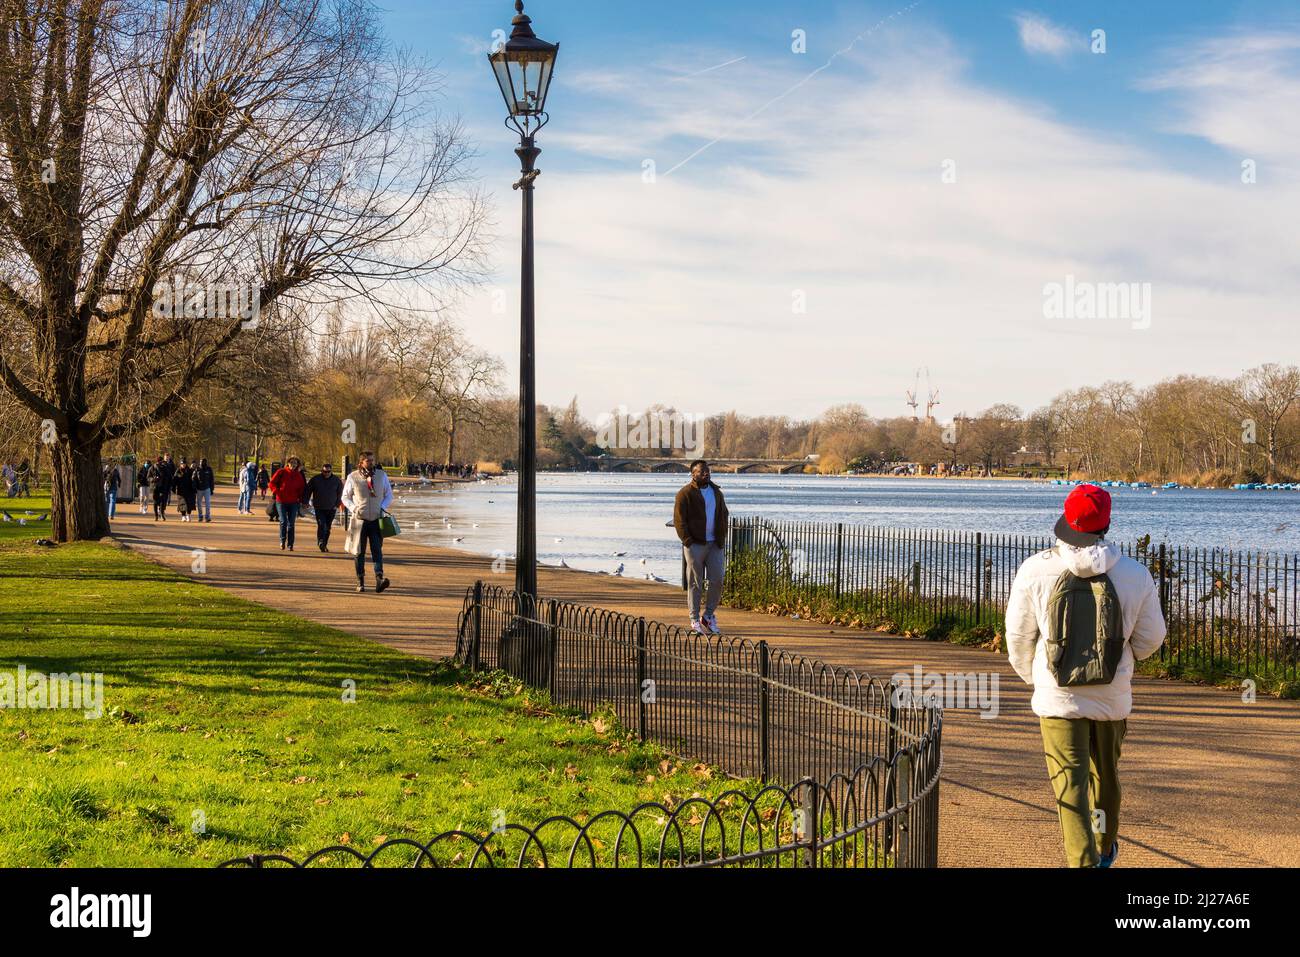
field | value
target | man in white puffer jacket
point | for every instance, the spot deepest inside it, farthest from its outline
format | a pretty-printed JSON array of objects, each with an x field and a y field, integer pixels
[{"x": 1083, "y": 727}]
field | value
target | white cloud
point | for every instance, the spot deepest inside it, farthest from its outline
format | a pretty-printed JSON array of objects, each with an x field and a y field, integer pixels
[
  {"x": 681, "y": 291},
  {"x": 1240, "y": 92},
  {"x": 474, "y": 46},
  {"x": 1038, "y": 35}
]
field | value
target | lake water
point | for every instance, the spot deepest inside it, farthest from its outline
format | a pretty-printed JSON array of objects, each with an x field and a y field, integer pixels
[{"x": 585, "y": 520}]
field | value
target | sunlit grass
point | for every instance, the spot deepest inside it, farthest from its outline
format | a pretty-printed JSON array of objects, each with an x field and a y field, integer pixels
[{"x": 226, "y": 731}]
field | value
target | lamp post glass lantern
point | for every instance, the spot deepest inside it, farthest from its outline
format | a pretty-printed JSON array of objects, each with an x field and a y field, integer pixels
[{"x": 523, "y": 67}]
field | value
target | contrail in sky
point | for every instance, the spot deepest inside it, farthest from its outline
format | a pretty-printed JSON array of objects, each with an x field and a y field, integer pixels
[
  {"x": 687, "y": 76},
  {"x": 781, "y": 96}
]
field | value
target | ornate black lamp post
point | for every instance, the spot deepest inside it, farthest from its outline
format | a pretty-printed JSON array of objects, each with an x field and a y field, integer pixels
[{"x": 523, "y": 67}]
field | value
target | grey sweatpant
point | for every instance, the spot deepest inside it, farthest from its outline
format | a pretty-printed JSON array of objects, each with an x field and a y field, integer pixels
[{"x": 704, "y": 569}]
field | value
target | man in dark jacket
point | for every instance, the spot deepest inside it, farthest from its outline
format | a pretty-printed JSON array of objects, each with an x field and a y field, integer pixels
[
  {"x": 112, "y": 482},
  {"x": 205, "y": 482},
  {"x": 324, "y": 492},
  {"x": 700, "y": 517},
  {"x": 160, "y": 480},
  {"x": 167, "y": 469}
]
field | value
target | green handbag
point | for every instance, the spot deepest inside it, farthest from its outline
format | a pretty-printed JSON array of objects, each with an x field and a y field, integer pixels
[{"x": 388, "y": 526}]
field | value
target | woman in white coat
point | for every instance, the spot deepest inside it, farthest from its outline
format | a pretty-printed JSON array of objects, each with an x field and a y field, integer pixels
[{"x": 367, "y": 493}]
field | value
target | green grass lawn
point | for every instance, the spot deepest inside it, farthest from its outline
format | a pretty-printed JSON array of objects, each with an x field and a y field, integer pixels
[
  {"x": 227, "y": 713},
  {"x": 37, "y": 505}
]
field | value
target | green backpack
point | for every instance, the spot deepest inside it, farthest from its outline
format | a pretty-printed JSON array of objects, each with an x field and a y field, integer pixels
[{"x": 1085, "y": 638}]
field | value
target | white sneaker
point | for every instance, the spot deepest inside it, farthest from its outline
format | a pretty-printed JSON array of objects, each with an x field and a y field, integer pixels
[
  {"x": 711, "y": 623},
  {"x": 696, "y": 626}
]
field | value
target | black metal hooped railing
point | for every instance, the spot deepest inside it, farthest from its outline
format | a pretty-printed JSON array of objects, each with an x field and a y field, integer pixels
[{"x": 848, "y": 768}]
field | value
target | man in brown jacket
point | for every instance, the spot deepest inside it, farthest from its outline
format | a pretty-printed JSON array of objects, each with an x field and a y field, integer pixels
[{"x": 700, "y": 517}]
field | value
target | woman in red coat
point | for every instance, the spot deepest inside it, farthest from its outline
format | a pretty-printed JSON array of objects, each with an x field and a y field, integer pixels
[{"x": 288, "y": 486}]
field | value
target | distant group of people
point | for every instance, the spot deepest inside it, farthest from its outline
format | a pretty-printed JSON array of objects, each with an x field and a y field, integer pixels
[
  {"x": 431, "y": 470},
  {"x": 17, "y": 479},
  {"x": 252, "y": 479},
  {"x": 362, "y": 501},
  {"x": 190, "y": 484}
]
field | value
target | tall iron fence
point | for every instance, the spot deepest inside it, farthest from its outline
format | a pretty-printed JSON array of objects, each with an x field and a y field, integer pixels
[
  {"x": 1236, "y": 612},
  {"x": 847, "y": 766}
]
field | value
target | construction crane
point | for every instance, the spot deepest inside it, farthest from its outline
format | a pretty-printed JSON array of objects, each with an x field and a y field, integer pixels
[
  {"x": 911, "y": 396},
  {"x": 934, "y": 398}
]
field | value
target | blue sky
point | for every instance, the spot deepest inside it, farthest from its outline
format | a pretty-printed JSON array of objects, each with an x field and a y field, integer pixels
[{"x": 799, "y": 246}]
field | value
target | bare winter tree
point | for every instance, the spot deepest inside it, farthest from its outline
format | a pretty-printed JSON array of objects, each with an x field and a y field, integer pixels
[
  {"x": 174, "y": 173},
  {"x": 1263, "y": 396},
  {"x": 435, "y": 362}
]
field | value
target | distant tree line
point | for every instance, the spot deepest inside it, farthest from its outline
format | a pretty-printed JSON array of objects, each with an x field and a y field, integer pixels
[
  {"x": 1192, "y": 429},
  {"x": 413, "y": 385}
]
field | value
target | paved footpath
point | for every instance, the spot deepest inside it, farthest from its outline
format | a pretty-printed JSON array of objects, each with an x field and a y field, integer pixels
[{"x": 1208, "y": 780}]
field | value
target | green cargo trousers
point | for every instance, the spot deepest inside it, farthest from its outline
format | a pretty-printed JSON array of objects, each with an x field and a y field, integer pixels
[{"x": 1083, "y": 765}]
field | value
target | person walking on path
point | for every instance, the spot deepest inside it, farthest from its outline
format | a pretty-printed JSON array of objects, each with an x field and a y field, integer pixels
[
  {"x": 160, "y": 482},
  {"x": 263, "y": 481},
  {"x": 187, "y": 492},
  {"x": 168, "y": 469},
  {"x": 324, "y": 492},
  {"x": 24, "y": 479},
  {"x": 288, "y": 486},
  {"x": 1079, "y": 615},
  {"x": 366, "y": 495},
  {"x": 205, "y": 483},
  {"x": 247, "y": 485},
  {"x": 112, "y": 482},
  {"x": 11, "y": 479},
  {"x": 700, "y": 517},
  {"x": 142, "y": 493}
]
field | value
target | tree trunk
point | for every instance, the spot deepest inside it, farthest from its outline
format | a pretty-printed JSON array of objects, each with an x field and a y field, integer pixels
[
  {"x": 451, "y": 440},
  {"x": 78, "y": 512}
]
